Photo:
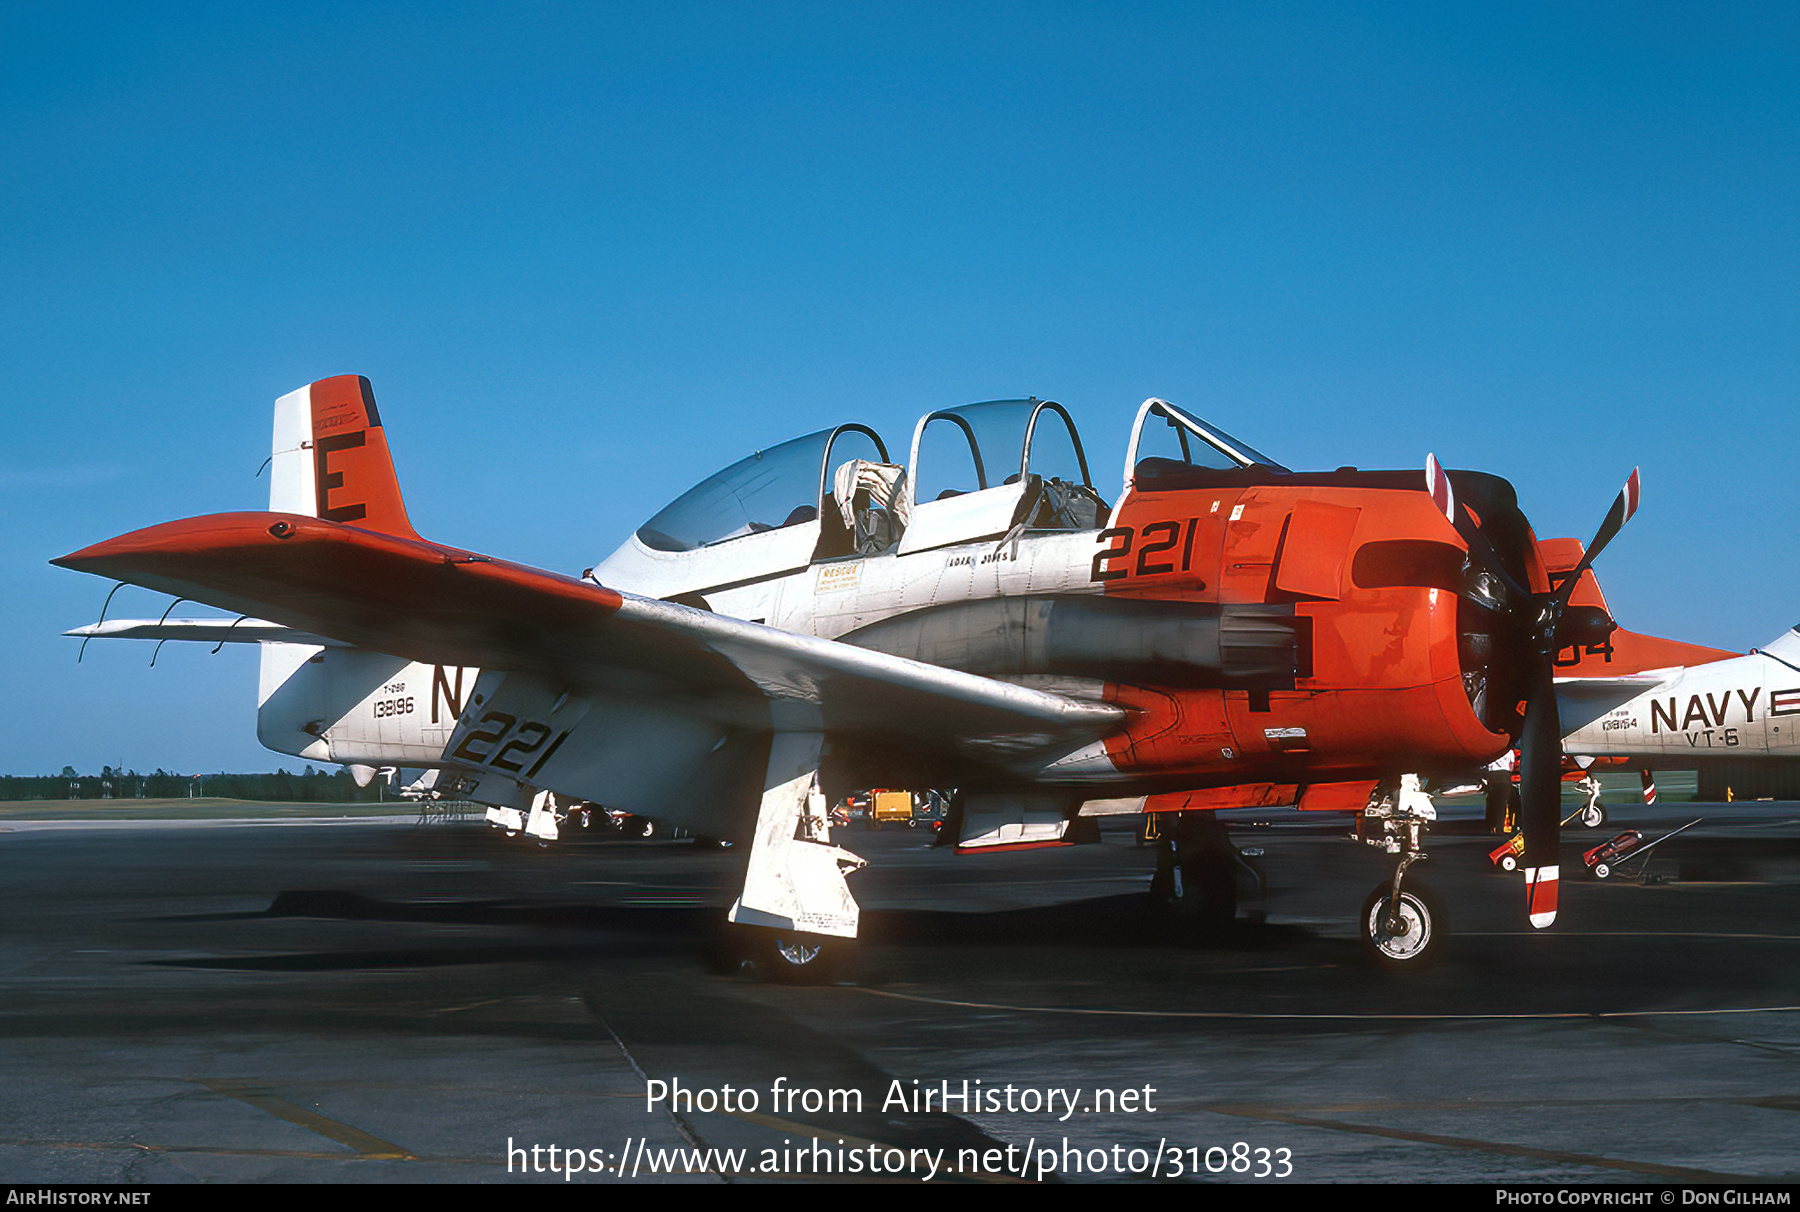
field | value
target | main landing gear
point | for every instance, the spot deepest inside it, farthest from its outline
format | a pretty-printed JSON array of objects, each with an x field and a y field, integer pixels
[
  {"x": 1195, "y": 885},
  {"x": 1402, "y": 921},
  {"x": 796, "y": 911},
  {"x": 794, "y": 957}
]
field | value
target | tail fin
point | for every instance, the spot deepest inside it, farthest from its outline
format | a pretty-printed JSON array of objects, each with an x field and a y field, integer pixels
[
  {"x": 331, "y": 458},
  {"x": 331, "y": 461},
  {"x": 1563, "y": 556},
  {"x": 1623, "y": 652}
]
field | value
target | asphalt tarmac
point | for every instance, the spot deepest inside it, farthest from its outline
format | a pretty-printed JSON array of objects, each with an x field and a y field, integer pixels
[{"x": 389, "y": 1002}]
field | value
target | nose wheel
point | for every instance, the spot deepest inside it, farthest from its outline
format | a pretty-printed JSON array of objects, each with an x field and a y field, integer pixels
[{"x": 1403, "y": 930}]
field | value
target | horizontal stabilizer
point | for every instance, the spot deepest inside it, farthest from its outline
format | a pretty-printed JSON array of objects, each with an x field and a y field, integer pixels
[
  {"x": 1785, "y": 647},
  {"x": 205, "y": 631}
]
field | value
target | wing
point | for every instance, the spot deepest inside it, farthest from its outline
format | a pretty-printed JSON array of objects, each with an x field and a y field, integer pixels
[
  {"x": 426, "y": 602},
  {"x": 1581, "y": 701}
]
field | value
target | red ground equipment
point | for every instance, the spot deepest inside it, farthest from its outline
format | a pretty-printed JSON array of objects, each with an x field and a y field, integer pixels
[{"x": 1604, "y": 858}]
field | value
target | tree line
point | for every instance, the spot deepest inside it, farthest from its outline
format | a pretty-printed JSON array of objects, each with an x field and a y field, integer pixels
[{"x": 310, "y": 787}]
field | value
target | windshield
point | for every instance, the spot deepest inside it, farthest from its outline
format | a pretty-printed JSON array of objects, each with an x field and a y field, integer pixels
[{"x": 1167, "y": 436}]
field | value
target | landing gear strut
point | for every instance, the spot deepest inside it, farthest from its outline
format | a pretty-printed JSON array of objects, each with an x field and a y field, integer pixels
[
  {"x": 1195, "y": 885},
  {"x": 1402, "y": 921},
  {"x": 1593, "y": 813}
]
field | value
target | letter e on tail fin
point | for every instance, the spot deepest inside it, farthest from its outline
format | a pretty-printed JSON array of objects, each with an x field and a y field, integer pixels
[{"x": 331, "y": 458}]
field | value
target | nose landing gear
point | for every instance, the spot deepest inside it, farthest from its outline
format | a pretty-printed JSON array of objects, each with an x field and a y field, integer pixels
[{"x": 1401, "y": 924}]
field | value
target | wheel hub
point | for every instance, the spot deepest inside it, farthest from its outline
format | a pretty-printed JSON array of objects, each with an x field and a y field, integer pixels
[
  {"x": 1399, "y": 931},
  {"x": 797, "y": 953}
]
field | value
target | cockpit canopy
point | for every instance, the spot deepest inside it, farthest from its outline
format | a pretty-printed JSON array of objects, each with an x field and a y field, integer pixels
[
  {"x": 981, "y": 471},
  {"x": 955, "y": 451},
  {"x": 1167, "y": 440}
]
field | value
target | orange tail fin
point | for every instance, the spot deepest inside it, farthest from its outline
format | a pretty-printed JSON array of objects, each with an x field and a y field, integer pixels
[{"x": 331, "y": 458}]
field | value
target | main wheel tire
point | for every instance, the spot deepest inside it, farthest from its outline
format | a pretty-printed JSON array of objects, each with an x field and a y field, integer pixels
[
  {"x": 1593, "y": 816},
  {"x": 792, "y": 957},
  {"x": 1412, "y": 942},
  {"x": 1509, "y": 863}
]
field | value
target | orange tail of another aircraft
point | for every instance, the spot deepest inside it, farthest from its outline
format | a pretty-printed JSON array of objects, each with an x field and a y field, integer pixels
[{"x": 1623, "y": 651}]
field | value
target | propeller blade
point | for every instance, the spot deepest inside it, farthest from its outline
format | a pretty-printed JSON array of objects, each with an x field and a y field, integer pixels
[
  {"x": 1623, "y": 507},
  {"x": 1437, "y": 483},
  {"x": 1540, "y": 793}
]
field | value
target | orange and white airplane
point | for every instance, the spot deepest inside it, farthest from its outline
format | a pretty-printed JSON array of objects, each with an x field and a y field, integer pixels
[{"x": 821, "y": 617}]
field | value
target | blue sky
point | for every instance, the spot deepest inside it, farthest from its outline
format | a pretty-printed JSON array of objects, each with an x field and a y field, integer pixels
[{"x": 589, "y": 253}]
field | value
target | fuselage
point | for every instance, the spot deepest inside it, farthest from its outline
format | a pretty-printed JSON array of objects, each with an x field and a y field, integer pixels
[
  {"x": 1259, "y": 626},
  {"x": 1747, "y": 706}
]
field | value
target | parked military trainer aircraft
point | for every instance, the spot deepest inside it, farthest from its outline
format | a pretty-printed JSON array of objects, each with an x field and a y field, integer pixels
[{"x": 819, "y": 618}]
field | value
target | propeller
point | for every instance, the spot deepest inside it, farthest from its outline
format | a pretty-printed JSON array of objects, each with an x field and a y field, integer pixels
[{"x": 1546, "y": 624}]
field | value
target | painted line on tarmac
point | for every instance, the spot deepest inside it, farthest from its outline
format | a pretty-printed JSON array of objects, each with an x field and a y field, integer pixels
[
  {"x": 1679, "y": 1173},
  {"x": 1731, "y": 934},
  {"x": 259, "y": 1097},
  {"x": 1258, "y": 1016}
]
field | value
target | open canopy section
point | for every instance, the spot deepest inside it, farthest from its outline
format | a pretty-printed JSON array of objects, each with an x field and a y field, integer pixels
[
  {"x": 989, "y": 469},
  {"x": 994, "y": 443}
]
